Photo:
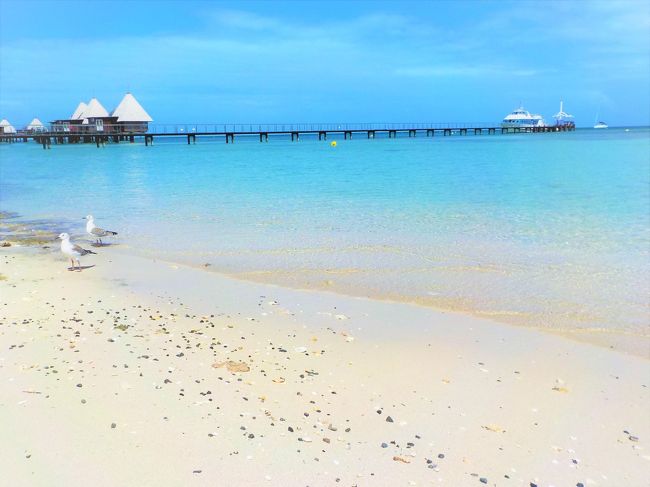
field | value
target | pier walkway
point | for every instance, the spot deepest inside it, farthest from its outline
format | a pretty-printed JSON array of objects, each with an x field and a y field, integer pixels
[{"x": 228, "y": 132}]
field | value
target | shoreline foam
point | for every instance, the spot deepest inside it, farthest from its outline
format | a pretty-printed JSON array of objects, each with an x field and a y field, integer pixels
[{"x": 31, "y": 233}]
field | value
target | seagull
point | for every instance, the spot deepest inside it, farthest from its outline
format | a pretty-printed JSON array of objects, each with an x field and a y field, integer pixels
[
  {"x": 97, "y": 232},
  {"x": 73, "y": 250}
]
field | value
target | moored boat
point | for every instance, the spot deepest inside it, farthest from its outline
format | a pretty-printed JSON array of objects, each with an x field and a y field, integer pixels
[{"x": 523, "y": 119}]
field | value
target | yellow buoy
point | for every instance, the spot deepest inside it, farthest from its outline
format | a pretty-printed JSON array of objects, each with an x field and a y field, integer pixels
[{"x": 333, "y": 143}]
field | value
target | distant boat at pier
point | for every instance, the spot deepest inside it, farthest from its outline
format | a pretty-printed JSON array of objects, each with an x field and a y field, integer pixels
[{"x": 523, "y": 119}]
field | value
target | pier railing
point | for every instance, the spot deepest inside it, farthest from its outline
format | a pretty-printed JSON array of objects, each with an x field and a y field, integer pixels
[
  {"x": 251, "y": 128},
  {"x": 99, "y": 133},
  {"x": 256, "y": 128}
]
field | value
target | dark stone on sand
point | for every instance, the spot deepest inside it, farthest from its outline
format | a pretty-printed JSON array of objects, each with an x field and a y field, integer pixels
[
  {"x": 384, "y": 445},
  {"x": 290, "y": 429},
  {"x": 389, "y": 419},
  {"x": 580, "y": 484},
  {"x": 113, "y": 425},
  {"x": 441, "y": 455},
  {"x": 483, "y": 480},
  {"x": 79, "y": 385}
]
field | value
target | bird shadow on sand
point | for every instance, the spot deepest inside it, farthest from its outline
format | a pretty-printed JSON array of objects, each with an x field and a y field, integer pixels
[
  {"x": 82, "y": 268},
  {"x": 95, "y": 244}
]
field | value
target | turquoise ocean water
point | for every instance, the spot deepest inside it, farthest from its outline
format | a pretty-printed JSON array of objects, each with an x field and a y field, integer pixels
[{"x": 549, "y": 230}]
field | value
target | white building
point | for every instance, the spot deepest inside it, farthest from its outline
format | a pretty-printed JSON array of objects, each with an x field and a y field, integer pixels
[
  {"x": 96, "y": 115},
  {"x": 6, "y": 127},
  {"x": 35, "y": 126},
  {"x": 130, "y": 116}
]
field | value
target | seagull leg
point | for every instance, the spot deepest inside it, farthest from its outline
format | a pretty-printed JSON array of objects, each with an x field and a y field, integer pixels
[
  {"x": 72, "y": 260},
  {"x": 78, "y": 265},
  {"x": 100, "y": 242}
]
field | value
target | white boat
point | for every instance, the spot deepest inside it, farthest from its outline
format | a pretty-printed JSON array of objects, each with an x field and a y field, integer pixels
[
  {"x": 599, "y": 124},
  {"x": 522, "y": 118}
]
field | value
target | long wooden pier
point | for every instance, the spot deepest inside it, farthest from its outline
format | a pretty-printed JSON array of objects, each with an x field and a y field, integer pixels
[{"x": 228, "y": 132}]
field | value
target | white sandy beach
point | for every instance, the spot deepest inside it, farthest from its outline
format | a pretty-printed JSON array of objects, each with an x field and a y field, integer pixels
[{"x": 143, "y": 373}]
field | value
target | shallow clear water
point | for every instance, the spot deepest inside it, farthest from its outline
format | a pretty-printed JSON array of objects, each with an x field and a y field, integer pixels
[{"x": 546, "y": 230}]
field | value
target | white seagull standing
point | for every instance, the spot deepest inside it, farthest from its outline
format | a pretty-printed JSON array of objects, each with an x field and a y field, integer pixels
[
  {"x": 72, "y": 250},
  {"x": 97, "y": 232}
]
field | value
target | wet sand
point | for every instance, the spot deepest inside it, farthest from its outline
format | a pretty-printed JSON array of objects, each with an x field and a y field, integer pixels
[{"x": 136, "y": 372}]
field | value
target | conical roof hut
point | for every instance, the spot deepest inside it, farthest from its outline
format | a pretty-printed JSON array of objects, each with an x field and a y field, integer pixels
[
  {"x": 129, "y": 110},
  {"x": 7, "y": 128},
  {"x": 94, "y": 109},
  {"x": 78, "y": 113},
  {"x": 36, "y": 125}
]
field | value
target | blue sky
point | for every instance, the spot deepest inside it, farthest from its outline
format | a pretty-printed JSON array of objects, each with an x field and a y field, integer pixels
[{"x": 327, "y": 61}]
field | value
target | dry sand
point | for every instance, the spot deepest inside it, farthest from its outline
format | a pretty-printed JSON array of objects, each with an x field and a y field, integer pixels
[{"x": 142, "y": 373}]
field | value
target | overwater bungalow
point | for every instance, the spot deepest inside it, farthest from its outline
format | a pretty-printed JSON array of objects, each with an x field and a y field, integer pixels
[
  {"x": 72, "y": 124},
  {"x": 130, "y": 115},
  {"x": 6, "y": 127},
  {"x": 35, "y": 126},
  {"x": 93, "y": 118},
  {"x": 96, "y": 118}
]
